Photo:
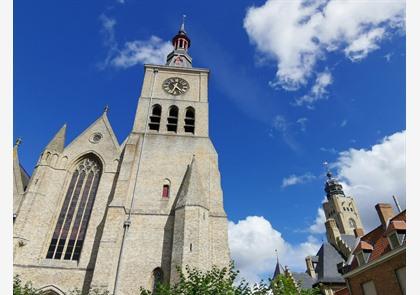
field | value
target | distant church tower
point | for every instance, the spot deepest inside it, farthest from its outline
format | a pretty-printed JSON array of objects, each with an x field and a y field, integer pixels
[
  {"x": 340, "y": 207},
  {"x": 117, "y": 217}
]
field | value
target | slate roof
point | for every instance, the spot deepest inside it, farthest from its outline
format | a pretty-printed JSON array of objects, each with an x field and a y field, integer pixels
[
  {"x": 350, "y": 240},
  {"x": 326, "y": 268},
  {"x": 305, "y": 280}
]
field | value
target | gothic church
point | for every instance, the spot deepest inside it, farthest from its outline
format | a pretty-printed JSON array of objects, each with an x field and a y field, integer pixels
[{"x": 99, "y": 214}]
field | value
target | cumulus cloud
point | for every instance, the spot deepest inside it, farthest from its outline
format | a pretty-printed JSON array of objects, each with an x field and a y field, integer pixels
[
  {"x": 253, "y": 242},
  {"x": 298, "y": 34},
  {"x": 318, "y": 227},
  {"x": 318, "y": 90},
  {"x": 297, "y": 179},
  {"x": 153, "y": 51},
  {"x": 373, "y": 175}
]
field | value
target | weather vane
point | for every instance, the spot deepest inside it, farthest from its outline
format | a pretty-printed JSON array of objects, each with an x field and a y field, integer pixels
[{"x": 327, "y": 169}]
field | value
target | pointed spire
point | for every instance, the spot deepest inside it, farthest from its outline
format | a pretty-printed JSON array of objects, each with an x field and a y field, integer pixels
[
  {"x": 182, "y": 28},
  {"x": 57, "y": 143},
  {"x": 279, "y": 269},
  {"x": 106, "y": 109},
  {"x": 192, "y": 190},
  {"x": 18, "y": 142}
]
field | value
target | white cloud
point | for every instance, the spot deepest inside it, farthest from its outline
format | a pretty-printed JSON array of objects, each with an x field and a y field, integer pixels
[
  {"x": 297, "y": 34},
  {"x": 253, "y": 242},
  {"x": 318, "y": 227},
  {"x": 372, "y": 176},
  {"x": 318, "y": 90},
  {"x": 153, "y": 51},
  {"x": 282, "y": 126},
  {"x": 297, "y": 179}
]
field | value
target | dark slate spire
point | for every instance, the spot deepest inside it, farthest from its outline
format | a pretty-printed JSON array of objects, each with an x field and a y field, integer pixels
[
  {"x": 279, "y": 269},
  {"x": 179, "y": 57}
]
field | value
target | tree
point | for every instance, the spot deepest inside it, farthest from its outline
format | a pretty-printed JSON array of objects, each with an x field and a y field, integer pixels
[
  {"x": 222, "y": 282},
  {"x": 19, "y": 289}
]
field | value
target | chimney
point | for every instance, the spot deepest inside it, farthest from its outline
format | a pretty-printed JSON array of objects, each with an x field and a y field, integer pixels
[
  {"x": 358, "y": 232},
  {"x": 310, "y": 267},
  {"x": 385, "y": 212},
  {"x": 332, "y": 231}
]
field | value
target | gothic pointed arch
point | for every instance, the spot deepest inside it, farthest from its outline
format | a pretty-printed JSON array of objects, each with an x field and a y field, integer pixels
[
  {"x": 154, "y": 120},
  {"x": 189, "y": 126},
  {"x": 51, "y": 290},
  {"x": 157, "y": 278},
  {"x": 173, "y": 119},
  {"x": 71, "y": 225}
]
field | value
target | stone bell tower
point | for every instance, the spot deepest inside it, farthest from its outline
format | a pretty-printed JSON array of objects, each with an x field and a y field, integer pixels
[
  {"x": 341, "y": 208},
  {"x": 167, "y": 209}
]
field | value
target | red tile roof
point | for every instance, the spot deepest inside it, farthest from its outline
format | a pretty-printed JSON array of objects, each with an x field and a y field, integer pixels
[{"x": 378, "y": 240}]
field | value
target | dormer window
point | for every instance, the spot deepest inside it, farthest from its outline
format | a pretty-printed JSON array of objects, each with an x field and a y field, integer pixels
[
  {"x": 396, "y": 233},
  {"x": 363, "y": 257},
  {"x": 363, "y": 251}
]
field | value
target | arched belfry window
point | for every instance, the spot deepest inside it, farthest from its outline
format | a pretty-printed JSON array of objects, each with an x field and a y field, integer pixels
[
  {"x": 154, "y": 122},
  {"x": 190, "y": 120},
  {"x": 157, "y": 278},
  {"x": 70, "y": 230},
  {"x": 173, "y": 119},
  {"x": 352, "y": 223}
]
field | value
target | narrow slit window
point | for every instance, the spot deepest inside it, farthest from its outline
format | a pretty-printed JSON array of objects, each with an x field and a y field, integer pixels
[
  {"x": 154, "y": 122},
  {"x": 165, "y": 191},
  {"x": 70, "y": 229},
  {"x": 189, "y": 120},
  {"x": 173, "y": 119}
]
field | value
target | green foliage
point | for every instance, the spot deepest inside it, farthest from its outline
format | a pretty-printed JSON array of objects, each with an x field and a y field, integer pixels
[
  {"x": 222, "y": 282},
  {"x": 19, "y": 289}
]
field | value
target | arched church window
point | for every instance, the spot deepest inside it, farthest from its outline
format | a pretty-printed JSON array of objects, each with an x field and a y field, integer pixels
[
  {"x": 173, "y": 119},
  {"x": 157, "y": 278},
  {"x": 352, "y": 223},
  {"x": 71, "y": 226},
  {"x": 189, "y": 120},
  {"x": 154, "y": 122},
  {"x": 166, "y": 188}
]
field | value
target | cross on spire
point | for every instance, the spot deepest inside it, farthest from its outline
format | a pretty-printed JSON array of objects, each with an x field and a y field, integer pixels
[
  {"x": 327, "y": 169},
  {"x": 106, "y": 109},
  {"x": 182, "y": 29}
]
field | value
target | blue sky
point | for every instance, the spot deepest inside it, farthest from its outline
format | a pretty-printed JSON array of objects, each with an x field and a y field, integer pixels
[{"x": 271, "y": 140}]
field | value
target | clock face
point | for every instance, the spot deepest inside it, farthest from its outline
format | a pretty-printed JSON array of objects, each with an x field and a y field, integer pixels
[{"x": 175, "y": 86}]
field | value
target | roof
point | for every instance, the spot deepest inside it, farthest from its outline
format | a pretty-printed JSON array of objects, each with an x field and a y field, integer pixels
[
  {"x": 326, "y": 268},
  {"x": 378, "y": 240},
  {"x": 305, "y": 280},
  {"x": 350, "y": 240},
  {"x": 343, "y": 291}
]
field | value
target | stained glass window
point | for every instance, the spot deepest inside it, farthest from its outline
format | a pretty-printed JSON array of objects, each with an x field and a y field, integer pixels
[{"x": 72, "y": 222}]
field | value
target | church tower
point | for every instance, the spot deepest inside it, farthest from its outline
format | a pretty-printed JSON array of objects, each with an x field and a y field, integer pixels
[
  {"x": 117, "y": 217},
  {"x": 167, "y": 211},
  {"x": 340, "y": 207}
]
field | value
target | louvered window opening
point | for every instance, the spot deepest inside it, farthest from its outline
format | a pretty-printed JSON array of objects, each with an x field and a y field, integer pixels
[
  {"x": 189, "y": 121},
  {"x": 70, "y": 230},
  {"x": 154, "y": 122},
  {"x": 173, "y": 119}
]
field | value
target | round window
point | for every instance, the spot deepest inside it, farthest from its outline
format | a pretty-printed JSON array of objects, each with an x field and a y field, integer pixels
[{"x": 96, "y": 137}]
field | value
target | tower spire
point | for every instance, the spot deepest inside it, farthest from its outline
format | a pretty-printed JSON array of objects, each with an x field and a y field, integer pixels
[{"x": 179, "y": 57}]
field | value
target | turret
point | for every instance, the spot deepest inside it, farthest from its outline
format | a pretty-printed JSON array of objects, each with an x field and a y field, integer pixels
[{"x": 179, "y": 57}]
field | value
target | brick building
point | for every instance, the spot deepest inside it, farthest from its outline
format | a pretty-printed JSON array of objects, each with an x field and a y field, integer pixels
[{"x": 377, "y": 264}]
